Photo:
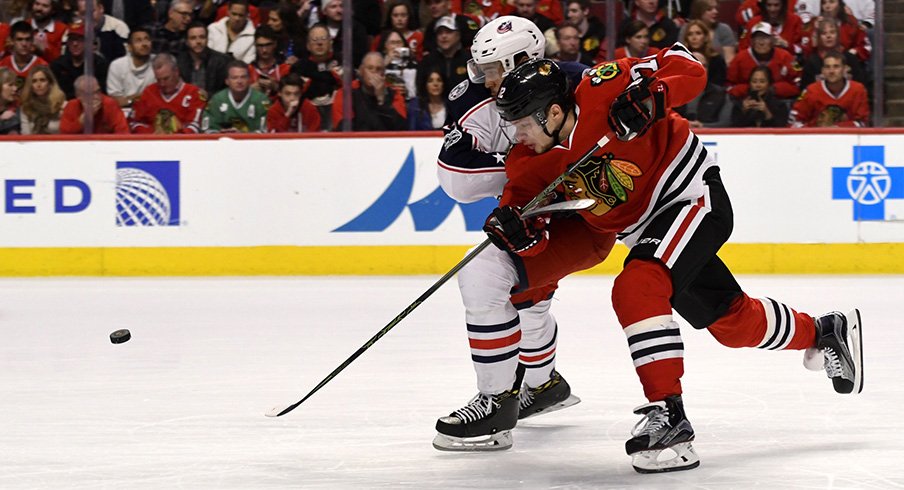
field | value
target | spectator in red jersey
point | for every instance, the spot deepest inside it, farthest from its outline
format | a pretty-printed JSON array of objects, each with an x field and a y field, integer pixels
[
  {"x": 752, "y": 8},
  {"x": 291, "y": 30},
  {"x": 108, "y": 117},
  {"x": 168, "y": 105},
  {"x": 851, "y": 35},
  {"x": 825, "y": 40},
  {"x": 22, "y": 59},
  {"x": 48, "y": 32},
  {"x": 762, "y": 52},
  {"x": 663, "y": 31},
  {"x": 590, "y": 28},
  {"x": 375, "y": 105},
  {"x": 760, "y": 108},
  {"x": 4, "y": 35},
  {"x": 71, "y": 64},
  {"x": 636, "y": 36},
  {"x": 787, "y": 28},
  {"x": 400, "y": 17},
  {"x": 292, "y": 113},
  {"x": 201, "y": 66},
  {"x": 42, "y": 103},
  {"x": 322, "y": 69},
  {"x": 266, "y": 70},
  {"x": 401, "y": 70},
  {"x": 428, "y": 110},
  {"x": 722, "y": 36},
  {"x": 233, "y": 35},
  {"x": 9, "y": 102},
  {"x": 833, "y": 101}
]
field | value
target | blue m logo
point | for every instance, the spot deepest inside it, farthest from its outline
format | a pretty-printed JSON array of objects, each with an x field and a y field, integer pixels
[
  {"x": 428, "y": 213},
  {"x": 868, "y": 183}
]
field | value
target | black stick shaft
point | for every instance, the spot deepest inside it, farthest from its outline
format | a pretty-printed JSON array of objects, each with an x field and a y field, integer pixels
[{"x": 442, "y": 280}]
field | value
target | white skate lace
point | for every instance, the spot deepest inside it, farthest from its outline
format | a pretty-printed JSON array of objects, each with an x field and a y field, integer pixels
[
  {"x": 655, "y": 420},
  {"x": 525, "y": 397},
  {"x": 479, "y": 407},
  {"x": 833, "y": 363}
]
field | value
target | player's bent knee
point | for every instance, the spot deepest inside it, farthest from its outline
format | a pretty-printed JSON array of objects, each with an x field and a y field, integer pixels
[{"x": 642, "y": 291}]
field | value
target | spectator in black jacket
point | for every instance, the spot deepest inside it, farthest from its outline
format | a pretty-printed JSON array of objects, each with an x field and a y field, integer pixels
[
  {"x": 200, "y": 65},
  {"x": 322, "y": 69},
  {"x": 450, "y": 58},
  {"x": 376, "y": 106},
  {"x": 760, "y": 108},
  {"x": 71, "y": 65}
]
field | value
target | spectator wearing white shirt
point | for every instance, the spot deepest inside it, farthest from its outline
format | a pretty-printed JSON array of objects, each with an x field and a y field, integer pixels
[
  {"x": 128, "y": 76},
  {"x": 233, "y": 34}
]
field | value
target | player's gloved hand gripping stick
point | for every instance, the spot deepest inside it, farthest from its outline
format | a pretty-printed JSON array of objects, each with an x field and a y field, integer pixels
[{"x": 526, "y": 212}]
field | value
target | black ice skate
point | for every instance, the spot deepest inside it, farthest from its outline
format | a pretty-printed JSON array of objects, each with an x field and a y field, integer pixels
[
  {"x": 839, "y": 340},
  {"x": 552, "y": 395},
  {"x": 663, "y": 431},
  {"x": 484, "y": 424}
]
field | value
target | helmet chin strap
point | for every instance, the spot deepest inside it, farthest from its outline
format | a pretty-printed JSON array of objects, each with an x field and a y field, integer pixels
[{"x": 556, "y": 139}]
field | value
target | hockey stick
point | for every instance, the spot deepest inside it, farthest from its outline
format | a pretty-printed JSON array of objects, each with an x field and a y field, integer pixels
[{"x": 280, "y": 410}]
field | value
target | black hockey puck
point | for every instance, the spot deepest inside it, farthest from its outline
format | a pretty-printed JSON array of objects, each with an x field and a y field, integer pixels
[{"x": 120, "y": 336}]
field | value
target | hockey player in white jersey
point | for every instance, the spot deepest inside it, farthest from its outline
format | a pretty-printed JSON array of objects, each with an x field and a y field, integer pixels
[{"x": 511, "y": 332}]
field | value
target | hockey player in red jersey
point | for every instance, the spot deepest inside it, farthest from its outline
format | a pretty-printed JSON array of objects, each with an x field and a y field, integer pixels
[
  {"x": 659, "y": 188},
  {"x": 511, "y": 331},
  {"x": 168, "y": 105},
  {"x": 832, "y": 101}
]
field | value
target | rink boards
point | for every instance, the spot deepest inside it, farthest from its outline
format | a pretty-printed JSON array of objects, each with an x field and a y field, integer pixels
[{"x": 803, "y": 203}]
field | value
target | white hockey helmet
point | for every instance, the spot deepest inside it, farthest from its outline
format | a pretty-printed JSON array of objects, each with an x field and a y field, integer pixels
[{"x": 503, "y": 39}]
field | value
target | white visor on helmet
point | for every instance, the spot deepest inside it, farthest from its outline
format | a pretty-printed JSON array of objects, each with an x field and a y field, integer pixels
[{"x": 481, "y": 72}]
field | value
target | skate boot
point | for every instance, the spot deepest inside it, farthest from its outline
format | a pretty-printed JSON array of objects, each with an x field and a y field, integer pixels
[
  {"x": 663, "y": 431},
  {"x": 552, "y": 395},
  {"x": 484, "y": 424},
  {"x": 839, "y": 348}
]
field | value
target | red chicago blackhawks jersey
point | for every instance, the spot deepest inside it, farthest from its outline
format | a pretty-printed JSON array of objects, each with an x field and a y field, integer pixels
[
  {"x": 785, "y": 73},
  {"x": 178, "y": 113},
  {"x": 817, "y": 107},
  {"x": 632, "y": 181}
]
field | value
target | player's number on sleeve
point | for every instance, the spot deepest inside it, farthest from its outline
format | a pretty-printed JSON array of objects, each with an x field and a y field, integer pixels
[{"x": 644, "y": 69}]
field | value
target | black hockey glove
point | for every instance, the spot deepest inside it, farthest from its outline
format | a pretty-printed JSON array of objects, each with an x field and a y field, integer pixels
[
  {"x": 637, "y": 108},
  {"x": 509, "y": 232}
]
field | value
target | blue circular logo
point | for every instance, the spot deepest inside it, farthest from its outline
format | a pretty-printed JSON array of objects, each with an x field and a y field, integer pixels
[
  {"x": 141, "y": 200},
  {"x": 869, "y": 183}
]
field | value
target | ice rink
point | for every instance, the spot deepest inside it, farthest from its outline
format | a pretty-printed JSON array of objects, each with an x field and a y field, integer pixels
[{"x": 181, "y": 405}]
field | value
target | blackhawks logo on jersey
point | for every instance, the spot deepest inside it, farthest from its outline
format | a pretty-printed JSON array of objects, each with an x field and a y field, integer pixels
[
  {"x": 603, "y": 73},
  {"x": 603, "y": 179}
]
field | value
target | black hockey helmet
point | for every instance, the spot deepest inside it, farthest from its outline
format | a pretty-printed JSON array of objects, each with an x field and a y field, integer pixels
[{"x": 530, "y": 89}]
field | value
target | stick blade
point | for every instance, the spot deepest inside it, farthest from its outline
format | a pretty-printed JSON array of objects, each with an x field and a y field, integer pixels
[{"x": 277, "y": 411}]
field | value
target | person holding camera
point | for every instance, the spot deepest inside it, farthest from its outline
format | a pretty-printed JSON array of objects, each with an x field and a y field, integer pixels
[
  {"x": 401, "y": 70},
  {"x": 760, "y": 108}
]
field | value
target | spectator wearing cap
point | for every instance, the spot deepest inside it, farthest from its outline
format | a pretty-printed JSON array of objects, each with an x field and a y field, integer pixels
[
  {"x": 48, "y": 32},
  {"x": 110, "y": 33},
  {"x": 331, "y": 16},
  {"x": 129, "y": 75},
  {"x": 71, "y": 65},
  {"x": 762, "y": 51},
  {"x": 108, "y": 118},
  {"x": 22, "y": 59},
  {"x": 376, "y": 106},
  {"x": 200, "y": 65},
  {"x": 590, "y": 28},
  {"x": 168, "y": 36},
  {"x": 787, "y": 28},
  {"x": 832, "y": 101},
  {"x": 233, "y": 34},
  {"x": 322, "y": 68},
  {"x": 449, "y": 58},
  {"x": 663, "y": 31},
  {"x": 467, "y": 26}
]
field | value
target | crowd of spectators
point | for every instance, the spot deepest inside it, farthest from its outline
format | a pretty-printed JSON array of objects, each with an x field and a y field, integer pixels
[{"x": 219, "y": 66}]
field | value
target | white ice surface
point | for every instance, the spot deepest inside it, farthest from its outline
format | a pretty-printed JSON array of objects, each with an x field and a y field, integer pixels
[{"x": 181, "y": 405}]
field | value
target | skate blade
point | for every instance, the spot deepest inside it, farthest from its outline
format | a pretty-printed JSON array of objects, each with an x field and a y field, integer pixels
[
  {"x": 814, "y": 359},
  {"x": 683, "y": 457},
  {"x": 570, "y": 401},
  {"x": 493, "y": 442},
  {"x": 854, "y": 324}
]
